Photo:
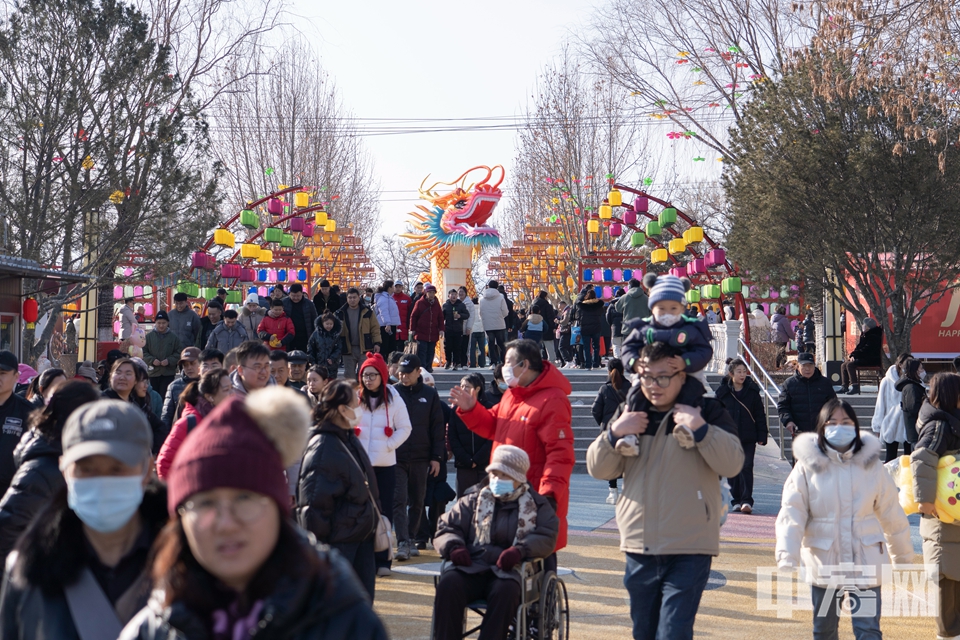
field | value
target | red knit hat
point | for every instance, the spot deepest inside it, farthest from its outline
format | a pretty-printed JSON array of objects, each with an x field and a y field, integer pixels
[
  {"x": 376, "y": 361},
  {"x": 245, "y": 443}
]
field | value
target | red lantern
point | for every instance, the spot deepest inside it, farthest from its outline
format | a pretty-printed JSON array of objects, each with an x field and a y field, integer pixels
[{"x": 31, "y": 310}]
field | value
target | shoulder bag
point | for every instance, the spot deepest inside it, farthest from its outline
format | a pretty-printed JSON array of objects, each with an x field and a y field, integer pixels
[{"x": 382, "y": 540}]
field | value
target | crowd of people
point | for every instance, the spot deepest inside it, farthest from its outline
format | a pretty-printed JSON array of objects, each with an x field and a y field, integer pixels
[{"x": 196, "y": 512}]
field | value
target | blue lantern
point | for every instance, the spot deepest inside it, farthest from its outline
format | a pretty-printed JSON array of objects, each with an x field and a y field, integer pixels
[
  {"x": 599, "y": 291},
  {"x": 262, "y": 275},
  {"x": 302, "y": 275},
  {"x": 587, "y": 275},
  {"x": 627, "y": 275},
  {"x": 251, "y": 289},
  {"x": 282, "y": 275},
  {"x": 608, "y": 275}
]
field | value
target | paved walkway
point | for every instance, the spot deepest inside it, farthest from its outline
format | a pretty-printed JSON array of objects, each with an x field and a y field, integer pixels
[{"x": 598, "y": 602}]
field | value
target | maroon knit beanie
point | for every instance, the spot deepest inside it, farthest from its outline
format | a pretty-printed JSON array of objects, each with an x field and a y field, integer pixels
[
  {"x": 245, "y": 443},
  {"x": 376, "y": 361}
]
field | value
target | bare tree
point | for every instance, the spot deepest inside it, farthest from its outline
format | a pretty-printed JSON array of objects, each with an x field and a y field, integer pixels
[
  {"x": 285, "y": 123},
  {"x": 694, "y": 62},
  {"x": 392, "y": 259}
]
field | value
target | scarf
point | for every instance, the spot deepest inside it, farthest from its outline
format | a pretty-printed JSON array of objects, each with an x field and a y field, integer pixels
[
  {"x": 483, "y": 514},
  {"x": 230, "y": 624}
]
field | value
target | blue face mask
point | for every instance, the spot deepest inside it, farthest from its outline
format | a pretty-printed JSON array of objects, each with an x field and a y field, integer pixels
[
  {"x": 105, "y": 503},
  {"x": 500, "y": 487},
  {"x": 840, "y": 435}
]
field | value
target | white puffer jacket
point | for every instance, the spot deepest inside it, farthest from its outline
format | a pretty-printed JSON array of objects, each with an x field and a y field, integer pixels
[
  {"x": 381, "y": 448},
  {"x": 468, "y": 323},
  {"x": 841, "y": 508},
  {"x": 887, "y": 416},
  {"x": 493, "y": 310}
]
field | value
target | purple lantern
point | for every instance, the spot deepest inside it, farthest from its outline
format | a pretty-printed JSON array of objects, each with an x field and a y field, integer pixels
[
  {"x": 616, "y": 229},
  {"x": 629, "y": 217},
  {"x": 641, "y": 204},
  {"x": 275, "y": 206},
  {"x": 297, "y": 225}
]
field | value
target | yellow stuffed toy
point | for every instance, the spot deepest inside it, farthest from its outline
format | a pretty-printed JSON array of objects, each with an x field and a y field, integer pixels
[{"x": 948, "y": 489}]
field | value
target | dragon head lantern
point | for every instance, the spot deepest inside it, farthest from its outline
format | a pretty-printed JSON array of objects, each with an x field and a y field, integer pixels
[{"x": 457, "y": 217}]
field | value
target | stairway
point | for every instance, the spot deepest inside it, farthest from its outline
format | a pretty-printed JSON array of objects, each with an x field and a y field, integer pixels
[{"x": 586, "y": 384}]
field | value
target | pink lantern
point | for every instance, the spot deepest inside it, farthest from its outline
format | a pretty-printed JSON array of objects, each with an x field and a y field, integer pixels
[
  {"x": 138, "y": 291},
  {"x": 297, "y": 225},
  {"x": 127, "y": 272},
  {"x": 641, "y": 204},
  {"x": 262, "y": 291},
  {"x": 715, "y": 257},
  {"x": 629, "y": 217},
  {"x": 248, "y": 275},
  {"x": 308, "y": 228},
  {"x": 607, "y": 293},
  {"x": 116, "y": 327},
  {"x": 118, "y": 293},
  {"x": 680, "y": 272},
  {"x": 697, "y": 265},
  {"x": 616, "y": 229},
  {"x": 271, "y": 275},
  {"x": 618, "y": 275},
  {"x": 198, "y": 260},
  {"x": 148, "y": 309},
  {"x": 230, "y": 271},
  {"x": 275, "y": 206}
]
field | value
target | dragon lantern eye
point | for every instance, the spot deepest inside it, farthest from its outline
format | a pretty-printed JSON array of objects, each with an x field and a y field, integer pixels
[{"x": 460, "y": 204}]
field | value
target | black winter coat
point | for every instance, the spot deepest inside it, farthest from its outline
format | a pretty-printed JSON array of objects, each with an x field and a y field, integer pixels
[
  {"x": 52, "y": 554},
  {"x": 334, "y": 496},
  {"x": 615, "y": 319},
  {"x": 172, "y": 400},
  {"x": 809, "y": 334},
  {"x": 427, "y": 438},
  {"x": 549, "y": 316},
  {"x": 469, "y": 449},
  {"x": 589, "y": 314},
  {"x": 38, "y": 478},
  {"x": 747, "y": 409},
  {"x": 939, "y": 430},
  {"x": 13, "y": 422},
  {"x": 325, "y": 345},
  {"x": 802, "y": 398},
  {"x": 867, "y": 352},
  {"x": 323, "y": 305},
  {"x": 159, "y": 429},
  {"x": 335, "y": 607},
  {"x": 607, "y": 402},
  {"x": 912, "y": 399},
  {"x": 449, "y": 324}
]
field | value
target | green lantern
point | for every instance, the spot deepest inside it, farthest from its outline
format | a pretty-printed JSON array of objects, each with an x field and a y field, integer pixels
[
  {"x": 668, "y": 217},
  {"x": 710, "y": 291},
  {"x": 234, "y": 297},
  {"x": 731, "y": 285},
  {"x": 208, "y": 293},
  {"x": 286, "y": 240},
  {"x": 273, "y": 234},
  {"x": 249, "y": 219},
  {"x": 638, "y": 239},
  {"x": 693, "y": 296},
  {"x": 653, "y": 228}
]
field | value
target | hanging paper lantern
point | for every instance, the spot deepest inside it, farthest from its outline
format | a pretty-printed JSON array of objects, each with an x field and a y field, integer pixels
[
  {"x": 297, "y": 225},
  {"x": 637, "y": 239},
  {"x": 198, "y": 260},
  {"x": 677, "y": 245},
  {"x": 605, "y": 211},
  {"x": 794, "y": 309},
  {"x": 148, "y": 309},
  {"x": 614, "y": 198},
  {"x": 617, "y": 275},
  {"x": 263, "y": 292},
  {"x": 587, "y": 275},
  {"x": 598, "y": 290},
  {"x": 302, "y": 275},
  {"x": 117, "y": 327},
  {"x": 321, "y": 218},
  {"x": 230, "y": 271},
  {"x": 234, "y": 297},
  {"x": 679, "y": 272},
  {"x": 308, "y": 229},
  {"x": 128, "y": 291},
  {"x": 693, "y": 235},
  {"x": 265, "y": 257},
  {"x": 697, "y": 265},
  {"x": 668, "y": 217},
  {"x": 250, "y": 251},
  {"x": 593, "y": 226},
  {"x": 710, "y": 291},
  {"x": 138, "y": 291},
  {"x": 607, "y": 293},
  {"x": 249, "y": 219},
  {"x": 301, "y": 199},
  {"x": 607, "y": 275},
  {"x": 127, "y": 272},
  {"x": 275, "y": 206},
  {"x": 629, "y": 217},
  {"x": 693, "y": 296},
  {"x": 330, "y": 226},
  {"x": 715, "y": 257},
  {"x": 248, "y": 275},
  {"x": 271, "y": 275},
  {"x": 118, "y": 293},
  {"x": 31, "y": 310},
  {"x": 251, "y": 290},
  {"x": 570, "y": 282},
  {"x": 659, "y": 255},
  {"x": 734, "y": 285},
  {"x": 286, "y": 240},
  {"x": 627, "y": 275},
  {"x": 273, "y": 234},
  {"x": 223, "y": 238},
  {"x": 262, "y": 275},
  {"x": 616, "y": 229},
  {"x": 208, "y": 293},
  {"x": 641, "y": 204},
  {"x": 282, "y": 275},
  {"x": 654, "y": 228}
]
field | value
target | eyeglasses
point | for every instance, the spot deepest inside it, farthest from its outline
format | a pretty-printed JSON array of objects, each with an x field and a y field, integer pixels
[
  {"x": 245, "y": 508},
  {"x": 370, "y": 376},
  {"x": 259, "y": 368},
  {"x": 662, "y": 381}
]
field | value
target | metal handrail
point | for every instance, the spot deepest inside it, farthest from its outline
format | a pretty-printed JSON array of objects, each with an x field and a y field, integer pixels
[{"x": 754, "y": 362}]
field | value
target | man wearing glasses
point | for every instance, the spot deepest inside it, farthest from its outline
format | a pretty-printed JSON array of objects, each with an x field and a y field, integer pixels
[
  {"x": 669, "y": 511},
  {"x": 253, "y": 368}
]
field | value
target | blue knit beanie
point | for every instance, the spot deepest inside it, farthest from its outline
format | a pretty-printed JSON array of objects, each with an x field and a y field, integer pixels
[{"x": 666, "y": 287}]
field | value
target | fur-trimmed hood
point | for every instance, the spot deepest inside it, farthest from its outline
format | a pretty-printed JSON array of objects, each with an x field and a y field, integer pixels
[{"x": 808, "y": 453}]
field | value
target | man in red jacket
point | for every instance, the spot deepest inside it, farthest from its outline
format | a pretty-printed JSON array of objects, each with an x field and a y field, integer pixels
[
  {"x": 535, "y": 415},
  {"x": 405, "y": 305},
  {"x": 276, "y": 329},
  {"x": 426, "y": 325}
]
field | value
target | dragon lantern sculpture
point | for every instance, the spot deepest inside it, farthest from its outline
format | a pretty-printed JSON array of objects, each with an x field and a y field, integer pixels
[{"x": 454, "y": 228}]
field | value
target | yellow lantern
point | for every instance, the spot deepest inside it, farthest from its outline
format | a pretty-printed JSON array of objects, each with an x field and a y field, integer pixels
[
  {"x": 330, "y": 226},
  {"x": 659, "y": 255},
  {"x": 266, "y": 256},
  {"x": 677, "y": 245},
  {"x": 606, "y": 211},
  {"x": 536, "y": 261},
  {"x": 561, "y": 264},
  {"x": 570, "y": 282},
  {"x": 321, "y": 218},
  {"x": 593, "y": 226},
  {"x": 251, "y": 251},
  {"x": 223, "y": 238},
  {"x": 552, "y": 290},
  {"x": 614, "y": 198},
  {"x": 281, "y": 187},
  {"x": 693, "y": 235},
  {"x": 301, "y": 199}
]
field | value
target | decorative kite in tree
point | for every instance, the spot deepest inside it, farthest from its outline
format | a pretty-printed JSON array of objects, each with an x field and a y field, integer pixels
[{"x": 449, "y": 232}]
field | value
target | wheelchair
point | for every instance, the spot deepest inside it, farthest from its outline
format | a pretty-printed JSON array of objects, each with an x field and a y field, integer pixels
[{"x": 543, "y": 614}]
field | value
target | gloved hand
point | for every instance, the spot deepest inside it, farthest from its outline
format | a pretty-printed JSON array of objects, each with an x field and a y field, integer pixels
[
  {"x": 510, "y": 558},
  {"x": 461, "y": 557}
]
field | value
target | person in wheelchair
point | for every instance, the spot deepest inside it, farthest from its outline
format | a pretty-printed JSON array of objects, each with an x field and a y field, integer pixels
[{"x": 489, "y": 532}]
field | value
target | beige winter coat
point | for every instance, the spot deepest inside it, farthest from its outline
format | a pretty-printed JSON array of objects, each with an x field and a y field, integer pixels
[
  {"x": 841, "y": 508},
  {"x": 671, "y": 501}
]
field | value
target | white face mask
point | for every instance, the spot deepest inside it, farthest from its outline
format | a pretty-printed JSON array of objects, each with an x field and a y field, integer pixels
[
  {"x": 840, "y": 435},
  {"x": 667, "y": 319},
  {"x": 354, "y": 418},
  {"x": 922, "y": 373},
  {"x": 509, "y": 377}
]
